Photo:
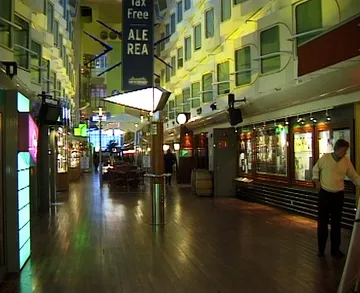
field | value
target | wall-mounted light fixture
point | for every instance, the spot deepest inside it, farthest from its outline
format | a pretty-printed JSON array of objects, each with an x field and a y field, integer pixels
[{"x": 176, "y": 146}]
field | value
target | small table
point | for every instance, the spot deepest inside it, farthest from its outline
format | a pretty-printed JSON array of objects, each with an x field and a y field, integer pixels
[{"x": 242, "y": 183}]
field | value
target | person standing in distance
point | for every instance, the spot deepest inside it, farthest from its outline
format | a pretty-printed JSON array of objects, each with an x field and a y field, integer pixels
[
  {"x": 170, "y": 161},
  {"x": 329, "y": 174}
]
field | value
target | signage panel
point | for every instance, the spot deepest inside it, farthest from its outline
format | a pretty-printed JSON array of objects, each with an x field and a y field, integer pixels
[{"x": 138, "y": 44}]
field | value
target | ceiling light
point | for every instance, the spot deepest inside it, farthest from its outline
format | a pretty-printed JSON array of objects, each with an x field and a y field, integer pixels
[{"x": 150, "y": 99}]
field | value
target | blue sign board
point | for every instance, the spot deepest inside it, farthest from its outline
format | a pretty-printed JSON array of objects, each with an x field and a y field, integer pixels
[{"x": 138, "y": 44}]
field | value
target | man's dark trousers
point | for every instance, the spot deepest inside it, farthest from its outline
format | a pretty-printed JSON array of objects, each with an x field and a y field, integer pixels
[{"x": 330, "y": 205}]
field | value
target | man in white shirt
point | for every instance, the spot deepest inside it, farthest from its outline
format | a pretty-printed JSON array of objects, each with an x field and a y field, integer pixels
[{"x": 328, "y": 176}]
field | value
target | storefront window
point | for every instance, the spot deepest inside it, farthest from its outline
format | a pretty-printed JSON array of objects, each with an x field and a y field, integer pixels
[
  {"x": 246, "y": 153},
  {"x": 303, "y": 152},
  {"x": 271, "y": 151},
  {"x": 62, "y": 151}
]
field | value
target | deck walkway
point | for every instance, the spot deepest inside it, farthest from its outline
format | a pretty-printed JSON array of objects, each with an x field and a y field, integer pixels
[{"x": 94, "y": 242}]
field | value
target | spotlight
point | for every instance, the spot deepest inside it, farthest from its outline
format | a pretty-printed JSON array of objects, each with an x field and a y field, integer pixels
[
  {"x": 314, "y": 120},
  {"x": 213, "y": 106},
  {"x": 328, "y": 118}
]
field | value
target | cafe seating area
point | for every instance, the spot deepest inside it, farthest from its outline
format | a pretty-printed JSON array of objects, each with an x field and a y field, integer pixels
[{"x": 124, "y": 176}]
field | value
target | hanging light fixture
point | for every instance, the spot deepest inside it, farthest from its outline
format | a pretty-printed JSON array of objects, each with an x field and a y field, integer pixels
[
  {"x": 328, "y": 118},
  {"x": 286, "y": 121}
]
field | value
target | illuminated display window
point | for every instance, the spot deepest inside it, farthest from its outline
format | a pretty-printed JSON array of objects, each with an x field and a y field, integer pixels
[{"x": 23, "y": 170}]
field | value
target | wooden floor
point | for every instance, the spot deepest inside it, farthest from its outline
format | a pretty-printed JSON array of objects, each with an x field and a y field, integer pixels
[{"x": 102, "y": 242}]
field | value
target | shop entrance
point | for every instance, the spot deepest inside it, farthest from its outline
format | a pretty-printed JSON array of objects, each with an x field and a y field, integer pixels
[{"x": 224, "y": 161}]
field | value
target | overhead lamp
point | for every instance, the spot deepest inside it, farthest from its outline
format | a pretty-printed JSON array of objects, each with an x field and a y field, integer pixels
[
  {"x": 150, "y": 99},
  {"x": 286, "y": 121}
]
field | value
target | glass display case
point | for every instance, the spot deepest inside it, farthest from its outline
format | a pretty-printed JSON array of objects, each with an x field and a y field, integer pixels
[
  {"x": 303, "y": 154},
  {"x": 271, "y": 150},
  {"x": 74, "y": 161},
  {"x": 245, "y": 153},
  {"x": 62, "y": 151}
]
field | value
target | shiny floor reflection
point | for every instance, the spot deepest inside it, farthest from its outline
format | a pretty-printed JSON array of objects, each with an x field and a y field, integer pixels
[{"x": 103, "y": 242}]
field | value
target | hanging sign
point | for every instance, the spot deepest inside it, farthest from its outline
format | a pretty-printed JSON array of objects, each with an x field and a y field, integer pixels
[{"x": 138, "y": 44}]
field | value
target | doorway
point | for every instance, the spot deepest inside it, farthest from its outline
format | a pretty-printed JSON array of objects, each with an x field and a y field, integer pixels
[{"x": 225, "y": 161}]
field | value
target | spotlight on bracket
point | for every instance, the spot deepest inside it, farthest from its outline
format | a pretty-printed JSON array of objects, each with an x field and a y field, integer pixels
[
  {"x": 213, "y": 106},
  {"x": 235, "y": 114}
]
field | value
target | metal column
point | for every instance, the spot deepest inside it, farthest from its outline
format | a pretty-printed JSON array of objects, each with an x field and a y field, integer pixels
[{"x": 157, "y": 167}]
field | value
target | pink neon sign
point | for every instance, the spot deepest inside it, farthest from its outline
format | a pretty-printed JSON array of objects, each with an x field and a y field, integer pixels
[{"x": 33, "y": 138}]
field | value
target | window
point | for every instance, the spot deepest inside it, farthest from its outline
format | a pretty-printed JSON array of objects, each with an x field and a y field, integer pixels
[
  {"x": 308, "y": 18},
  {"x": 162, "y": 44},
  {"x": 207, "y": 88},
  {"x": 171, "y": 112},
  {"x": 36, "y": 63},
  {"x": 45, "y": 84},
  {"x": 167, "y": 73},
  {"x": 271, "y": 150},
  {"x": 66, "y": 64},
  {"x": 187, "y": 48},
  {"x": 162, "y": 77},
  {"x": 187, "y": 5},
  {"x": 63, "y": 53},
  {"x": 5, "y": 30},
  {"x": 197, "y": 37},
  {"x": 239, "y": 1},
  {"x": 195, "y": 94},
  {"x": 68, "y": 23},
  {"x": 61, "y": 45},
  {"x": 167, "y": 32},
  {"x": 58, "y": 88},
  {"x": 97, "y": 92},
  {"x": 223, "y": 76},
  {"x": 186, "y": 99},
  {"x": 173, "y": 65},
  {"x": 158, "y": 49},
  {"x": 270, "y": 43},
  {"x": 53, "y": 84},
  {"x": 179, "y": 104},
  {"x": 22, "y": 43},
  {"x": 179, "y": 11},
  {"x": 101, "y": 62},
  {"x": 180, "y": 57},
  {"x": 209, "y": 23},
  {"x": 56, "y": 34},
  {"x": 243, "y": 66},
  {"x": 50, "y": 18},
  {"x": 225, "y": 10},
  {"x": 172, "y": 23}
]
